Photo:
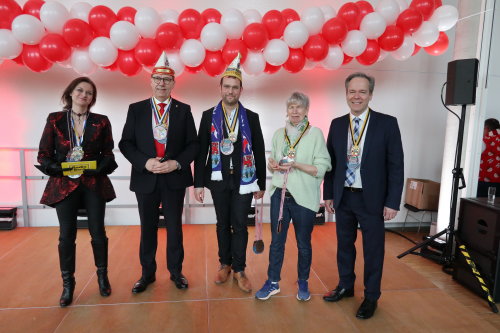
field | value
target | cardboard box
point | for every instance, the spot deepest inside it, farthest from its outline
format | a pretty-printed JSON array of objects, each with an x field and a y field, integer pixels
[{"x": 422, "y": 194}]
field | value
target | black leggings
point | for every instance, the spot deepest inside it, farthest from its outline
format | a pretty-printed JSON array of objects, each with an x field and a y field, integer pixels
[{"x": 67, "y": 211}]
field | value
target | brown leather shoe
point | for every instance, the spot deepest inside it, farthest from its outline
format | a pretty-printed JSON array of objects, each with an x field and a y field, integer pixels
[
  {"x": 222, "y": 274},
  {"x": 243, "y": 281}
]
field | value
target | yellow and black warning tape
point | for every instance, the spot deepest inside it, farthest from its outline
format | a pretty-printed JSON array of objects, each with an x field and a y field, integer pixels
[{"x": 477, "y": 274}]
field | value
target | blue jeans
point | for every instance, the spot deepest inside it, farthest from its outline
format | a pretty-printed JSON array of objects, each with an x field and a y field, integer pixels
[{"x": 303, "y": 222}]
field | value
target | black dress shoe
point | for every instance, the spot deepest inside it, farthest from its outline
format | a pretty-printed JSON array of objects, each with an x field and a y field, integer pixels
[
  {"x": 142, "y": 284},
  {"x": 337, "y": 294},
  {"x": 180, "y": 281},
  {"x": 367, "y": 309}
]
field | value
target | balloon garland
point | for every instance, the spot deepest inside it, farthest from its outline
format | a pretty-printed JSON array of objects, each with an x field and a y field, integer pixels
[{"x": 44, "y": 33}]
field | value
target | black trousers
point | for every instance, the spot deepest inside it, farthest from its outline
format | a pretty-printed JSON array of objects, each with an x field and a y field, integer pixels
[
  {"x": 67, "y": 210},
  {"x": 351, "y": 211},
  {"x": 172, "y": 202},
  {"x": 231, "y": 209}
]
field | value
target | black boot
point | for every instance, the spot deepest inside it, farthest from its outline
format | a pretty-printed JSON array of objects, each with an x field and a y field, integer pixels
[
  {"x": 67, "y": 264},
  {"x": 101, "y": 262}
]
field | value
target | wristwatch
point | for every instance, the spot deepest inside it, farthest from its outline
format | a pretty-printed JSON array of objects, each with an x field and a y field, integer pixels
[{"x": 178, "y": 165}]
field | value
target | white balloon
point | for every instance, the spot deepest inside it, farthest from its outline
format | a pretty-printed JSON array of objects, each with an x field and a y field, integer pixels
[
  {"x": 405, "y": 50},
  {"x": 444, "y": 17},
  {"x": 403, "y": 4},
  {"x": 426, "y": 35},
  {"x": 81, "y": 62},
  {"x": 175, "y": 62},
  {"x": 310, "y": 64},
  {"x": 276, "y": 52},
  {"x": 124, "y": 35},
  {"x": 328, "y": 11},
  {"x": 296, "y": 34},
  {"x": 170, "y": 15},
  {"x": 53, "y": 16},
  {"x": 147, "y": 20},
  {"x": 373, "y": 25},
  {"x": 389, "y": 9},
  {"x": 234, "y": 23},
  {"x": 334, "y": 59},
  {"x": 28, "y": 29},
  {"x": 313, "y": 18},
  {"x": 252, "y": 16},
  {"x": 254, "y": 63},
  {"x": 383, "y": 54},
  {"x": 65, "y": 63},
  {"x": 213, "y": 36},
  {"x": 102, "y": 51},
  {"x": 354, "y": 43},
  {"x": 192, "y": 52},
  {"x": 10, "y": 47},
  {"x": 80, "y": 10}
]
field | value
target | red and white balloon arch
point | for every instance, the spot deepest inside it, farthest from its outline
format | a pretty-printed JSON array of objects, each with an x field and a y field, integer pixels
[{"x": 86, "y": 37}]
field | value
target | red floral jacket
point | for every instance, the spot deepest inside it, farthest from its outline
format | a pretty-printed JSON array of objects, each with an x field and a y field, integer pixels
[{"x": 97, "y": 145}]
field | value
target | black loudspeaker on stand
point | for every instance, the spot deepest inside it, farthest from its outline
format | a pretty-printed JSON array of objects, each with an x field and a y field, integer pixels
[{"x": 461, "y": 90}]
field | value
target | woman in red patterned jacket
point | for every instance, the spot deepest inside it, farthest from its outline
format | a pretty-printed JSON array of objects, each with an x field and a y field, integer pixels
[
  {"x": 76, "y": 134},
  {"x": 489, "y": 169}
]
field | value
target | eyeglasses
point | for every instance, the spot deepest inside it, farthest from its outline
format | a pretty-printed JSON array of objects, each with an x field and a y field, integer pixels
[{"x": 158, "y": 80}]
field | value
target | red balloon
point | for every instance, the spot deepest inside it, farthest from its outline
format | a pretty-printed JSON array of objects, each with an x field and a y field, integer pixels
[
  {"x": 371, "y": 53},
  {"x": 147, "y": 52},
  {"x": 231, "y": 49},
  {"x": 54, "y": 48},
  {"x": 391, "y": 39},
  {"x": 191, "y": 23},
  {"x": 316, "y": 48},
  {"x": 289, "y": 15},
  {"x": 334, "y": 30},
  {"x": 409, "y": 20},
  {"x": 349, "y": 12},
  {"x": 33, "y": 59},
  {"x": 347, "y": 59},
  {"x": 101, "y": 18},
  {"x": 275, "y": 23},
  {"x": 214, "y": 64},
  {"x": 169, "y": 36},
  {"x": 255, "y": 36},
  {"x": 127, "y": 63},
  {"x": 425, "y": 7},
  {"x": 113, "y": 67},
  {"x": 126, "y": 14},
  {"x": 364, "y": 8},
  {"x": 77, "y": 33},
  {"x": 32, "y": 7},
  {"x": 415, "y": 50},
  {"x": 295, "y": 62},
  {"x": 19, "y": 59},
  {"x": 9, "y": 10},
  {"x": 270, "y": 69},
  {"x": 440, "y": 46},
  {"x": 194, "y": 70},
  {"x": 210, "y": 15},
  {"x": 437, "y": 3}
]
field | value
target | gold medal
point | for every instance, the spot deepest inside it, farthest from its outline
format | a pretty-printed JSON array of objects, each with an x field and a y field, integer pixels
[
  {"x": 291, "y": 153},
  {"x": 355, "y": 150},
  {"x": 233, "y": 137}
]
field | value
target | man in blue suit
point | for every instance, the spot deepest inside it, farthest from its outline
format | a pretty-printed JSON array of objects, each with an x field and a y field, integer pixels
[{"x": 364, "y": 187}]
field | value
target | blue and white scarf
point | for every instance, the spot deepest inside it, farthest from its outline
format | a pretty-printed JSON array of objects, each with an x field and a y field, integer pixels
[{"x": 248, "y": 181}]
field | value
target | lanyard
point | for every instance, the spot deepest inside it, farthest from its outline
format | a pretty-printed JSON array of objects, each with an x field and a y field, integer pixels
[
  {"x": 161, "y": 119},
  {"x": 231, "y": 127},
  {"x": 356, "y": 143},
  {"x": 78, "y": 137},
  {"x": 287, "y": 139}
]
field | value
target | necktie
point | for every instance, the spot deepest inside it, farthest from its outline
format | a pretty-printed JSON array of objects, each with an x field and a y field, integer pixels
[
  {"x": 160, "y": 147},
  {"x": 350, "y": 175},
  {"x": 162, "y": 108}
]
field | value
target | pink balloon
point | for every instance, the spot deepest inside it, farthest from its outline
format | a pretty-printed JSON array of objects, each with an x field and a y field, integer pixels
[{"x": 54, "y": 48}]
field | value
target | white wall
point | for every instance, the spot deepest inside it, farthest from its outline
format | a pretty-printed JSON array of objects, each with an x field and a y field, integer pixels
[{"x": 409, "y": 90}]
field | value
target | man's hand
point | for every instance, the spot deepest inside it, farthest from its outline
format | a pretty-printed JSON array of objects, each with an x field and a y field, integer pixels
[
  {"x": 199, "y": 194},
  {"x": 389, "y": 213},
  {"x": 151, "y": 164},
  {"x": 258, "y": 195},
  {"x": 329, "y": 206},
  {"x": 165, "y": 167}
]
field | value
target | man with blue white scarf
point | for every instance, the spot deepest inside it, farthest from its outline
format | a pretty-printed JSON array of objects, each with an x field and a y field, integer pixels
[{"x": 232, "y": 165}]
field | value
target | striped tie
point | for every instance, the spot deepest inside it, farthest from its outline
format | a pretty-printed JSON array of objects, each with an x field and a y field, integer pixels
[{"x": 350, "y": 175}]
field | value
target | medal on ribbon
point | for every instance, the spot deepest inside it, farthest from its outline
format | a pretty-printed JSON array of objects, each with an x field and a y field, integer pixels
[
  {"x": 226, "y": 147},
  {"x": 231, "y": 128},
  {"x": 160, "y": 133},
  {"x": 291, "y": 152},
  {"x": 160, "y": 124}
]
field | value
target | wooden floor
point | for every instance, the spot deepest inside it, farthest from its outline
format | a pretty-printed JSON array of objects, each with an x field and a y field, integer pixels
[{"x": 416, "y": 295}]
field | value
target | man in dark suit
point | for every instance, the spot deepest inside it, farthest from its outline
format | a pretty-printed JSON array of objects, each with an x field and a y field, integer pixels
[
  {"x": 364, "y": 186},
  {"x": 159, "y": 139},
  {"x": 232, "y": 165}
]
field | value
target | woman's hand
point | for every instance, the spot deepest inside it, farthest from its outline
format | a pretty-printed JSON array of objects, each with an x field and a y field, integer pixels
[{"x": 272, "y": 164}]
